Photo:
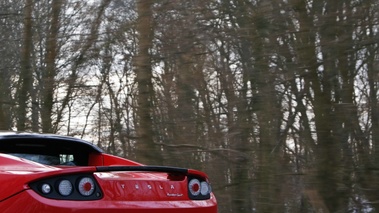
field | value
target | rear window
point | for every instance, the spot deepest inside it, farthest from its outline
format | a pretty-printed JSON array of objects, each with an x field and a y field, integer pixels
[
  {"x": 53, "y": 160},
  {"x": 48, "y": 150}
]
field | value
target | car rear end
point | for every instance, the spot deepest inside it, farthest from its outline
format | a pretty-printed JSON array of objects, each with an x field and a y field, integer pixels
[
  {"x": 49, "y": 173},
  {"x": 114, "y": 189}
]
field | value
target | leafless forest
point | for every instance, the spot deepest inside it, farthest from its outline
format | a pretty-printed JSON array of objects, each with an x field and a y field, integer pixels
[{"x": 277, "y": 100}]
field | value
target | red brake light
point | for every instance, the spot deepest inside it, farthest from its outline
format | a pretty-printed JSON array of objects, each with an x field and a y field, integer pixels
[
  {"x": 86, "y": 186},
  {"x": 194, "y": 187},
  {"x": 199, "y": 189}
]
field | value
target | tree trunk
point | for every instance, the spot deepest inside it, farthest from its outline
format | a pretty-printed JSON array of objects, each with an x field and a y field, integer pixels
[
  {"x": 48, "y": 77},
  {"x": 146, "y": 149},
  {"x": 26, "y": 69}
]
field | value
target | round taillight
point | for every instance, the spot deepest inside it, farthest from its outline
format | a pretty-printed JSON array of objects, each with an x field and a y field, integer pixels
[
  {"x": 65, "y": 187},
  {"x": 86, "y": 186},
  {"x": 204, "y": 188},
  {"x": 46, "y": 188},
  {"x": 194, "y": 187}
]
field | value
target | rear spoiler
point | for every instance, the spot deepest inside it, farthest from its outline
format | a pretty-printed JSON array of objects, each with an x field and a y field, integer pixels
[{"x": 142, "y": 169}]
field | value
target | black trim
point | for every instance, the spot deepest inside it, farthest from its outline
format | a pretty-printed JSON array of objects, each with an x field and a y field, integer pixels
[
  {"x": 74, "y": 180},
  {"x": 142, "y": 169},
  {"x": 200, "y": 196},
  {"x": 47, "y": 144},
  {"x": 5, "y": 136}
]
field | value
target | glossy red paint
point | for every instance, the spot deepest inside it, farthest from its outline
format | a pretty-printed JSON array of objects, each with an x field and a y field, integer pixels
[
  {"x": 16, "y": 173},
  {"x": 125, "y": 185},
  {"x": 32, "y": 202}
]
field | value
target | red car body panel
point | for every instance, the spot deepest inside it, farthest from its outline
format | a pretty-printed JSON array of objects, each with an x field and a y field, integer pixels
[
  {"x": 125, "y": 185},
  {"x": 28, "y": 201},
  {"x": 16, "y": 172}
]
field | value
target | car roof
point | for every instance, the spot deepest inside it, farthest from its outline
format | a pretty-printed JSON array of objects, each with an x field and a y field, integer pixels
[{"x": 15, "y": 140}]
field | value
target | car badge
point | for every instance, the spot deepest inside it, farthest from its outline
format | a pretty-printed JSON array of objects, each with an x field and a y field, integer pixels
[{"x": 174, "y": 195}]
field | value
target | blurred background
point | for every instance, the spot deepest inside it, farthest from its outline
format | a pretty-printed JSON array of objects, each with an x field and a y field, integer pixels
[{"x": 277, "y": 100}]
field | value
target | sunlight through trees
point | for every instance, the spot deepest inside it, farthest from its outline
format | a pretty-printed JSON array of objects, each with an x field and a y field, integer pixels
[{"x": 277, "y": 100}]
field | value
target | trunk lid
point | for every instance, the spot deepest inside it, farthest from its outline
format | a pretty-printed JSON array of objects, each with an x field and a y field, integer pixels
[{"x": 143, "y": 183}]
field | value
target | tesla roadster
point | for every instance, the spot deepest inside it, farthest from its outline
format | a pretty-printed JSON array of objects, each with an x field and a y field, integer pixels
[{"x": 51, "y": 173}]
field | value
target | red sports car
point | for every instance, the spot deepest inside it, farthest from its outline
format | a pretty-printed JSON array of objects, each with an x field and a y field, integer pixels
[{"x": 51, "y": 173}]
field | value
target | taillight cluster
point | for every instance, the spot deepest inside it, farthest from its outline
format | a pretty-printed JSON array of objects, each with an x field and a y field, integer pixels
[
  {"x": 198, "y": 189},
  {"x": 72, "y": 187}
]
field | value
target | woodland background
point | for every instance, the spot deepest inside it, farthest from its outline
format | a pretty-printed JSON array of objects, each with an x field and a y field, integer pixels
[{"x": 277, "y": 100}]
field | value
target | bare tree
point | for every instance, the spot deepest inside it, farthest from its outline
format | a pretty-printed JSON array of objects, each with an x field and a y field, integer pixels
[
  {"x": 146, "y": 149},
  {"x": 48, "y": 76},
  {"x": 277, "y": 100},
  {"x": 25, "y": 83}
]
